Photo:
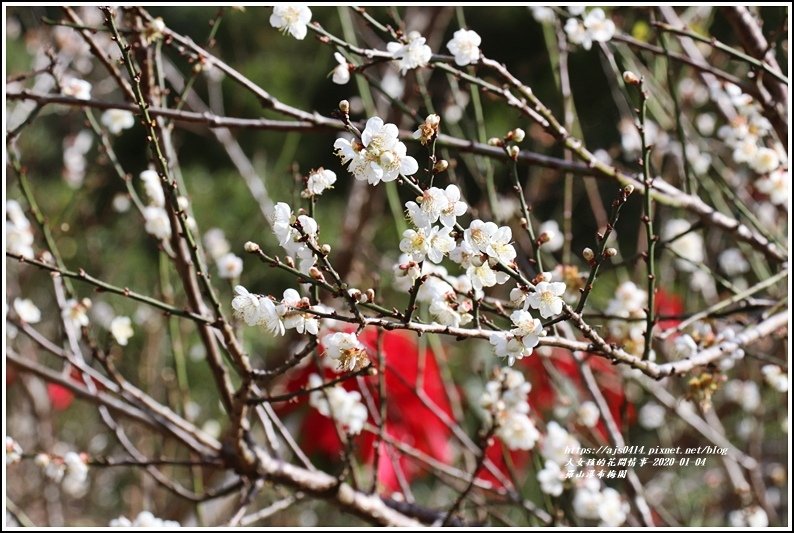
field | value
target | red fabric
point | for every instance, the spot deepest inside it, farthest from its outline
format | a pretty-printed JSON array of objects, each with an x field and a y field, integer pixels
[
  {"x": 667, "y": 303},
  {"x": 408, "y": 419}
]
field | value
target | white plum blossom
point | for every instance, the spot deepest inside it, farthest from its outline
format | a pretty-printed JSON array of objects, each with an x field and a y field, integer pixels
[
  {"x": 346, "y": 350},
  {"x": 441, "y": 244},
  {"x": 379, "y": 156},
  {"x": 689, "y": 247},
  {"x": 76, "y": 88},
  {"x": 292, "y": 19},
  {"x": 281, "y": 223},
  {"x": 446, "y": 315},
  {"x": 479, "y": 234},
  {"x": 455, "y": 206},
  {"x": 505, "y": 404},
  {"x": 508, "y": 346},
  {"x": 153, "y": 188},
  {"x": 777, "y": 186},
  {"x": 415, "y": 243},
  {"x": 587, "y": 500},
  {"x": 118, "y": 120},
  {"x": 75, "y": 313},
  {"x": 13, "y": 451},
  {"x": 144, "y": 519},
  {"x": 413, "y": 53},
  {"x": 156, "y": 222},
  {"x": 19, "y": 233},
  {"x": 750, "y": 517},
  {"x": 230, "y": 266},
  {"x": 466, "y": 255},
  {"x": 652, "y": 415},
  {"x": 588, "y": 414},
  {"x": 499, "y": 246},
  {"x": 484, "y": 276},
  {"x": 765, "y": 160},
  {"x": 309, "y": 226},
  {"x": 27, "y": 310},
  {"x": 542, "y": 14},
  {"x": 345, "y": 407},
  {"x": 775, "y": 377},
  {"x": 612, "y": 510},
  {"x": 215, "y": 243},
  {"x": 75, "y": 481},
  {"x": 319, "y": 181},
  {"x": 341, "y": 72},
  {"x": 246, "y": 305},
  {"x": 554, "y": 234},
  {"x": 744, "y": 393},
  {"x": 546, "y": 298},
  {"x": 406, "y": 272},
  {"x": 551, "y": 478},
  {"x": 600, "y": 28},
  {"x": 121, "y": 329},
  {"x": 465, "y": 46},
  {"x": 557, "y": 444},
  {"x": 733, "y": 263},
  {"x": 290, "y": 311},
  {"x": 430, "y": 205},
  {"x": 518, "y": 432}
]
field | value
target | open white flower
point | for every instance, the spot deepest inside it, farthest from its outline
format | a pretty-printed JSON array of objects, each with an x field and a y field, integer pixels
[
  {"x": 246, "y": 305},
  {"x": 508, "y": 346},
  {"x": 281, "y": 223},
  {"x": 380, "y": 156},
  {"x": 230, "y": 266},
  {"x": 557, "y": 444},
  {"x": 345, "y": 407},
  {"x": 319, "y": 181},
  {"x": 121, "y": 329},
  {"x": 600, "y": 28},
  {"x": 499, "y": 246},
  {"x": 577, "y": 34},
  {"x": 412, "y": 54},
  {"x": 415, "y": 243},
  {"x": 291, "y": 312},
  {"x": 547, "y": 298},
  {"x": 777, "y": 186},
  {"x": 19, "y": 234},
  {"x": 444, "y": 314},
  {"x": 292, "y": 19},
  {"x": 309, "y": 226},
  {"x": 612, "y": 510},
  {"x": 527, "y": 329},
  {"x": 483, "y": 275},
  {"x": 479, "y": 234},
  {"x": 551, "y": 478},
  {"x": 118, "y": 120},
  {"x": 346, "y": 349},
  {"x": 775, "y": 377},
  {"x": 518, "y": 432},
  {"x": 157, "y": 222},
  {"x": 588, "y": 414},
  {"x": 341, "y": 72},
  {"x": 765, "y": 160},
  {"x": 441, "y": 243},
  {"x": 75, "y": 313},
  {"x": 465, "y": 46},
  {"x": 406, "y": 272},
  {"x": 466, "y": 255},
  {"x": 455, "y": 207},
  {"x": 153, "y": 188},
  {"x": 27, "y": 310},
  {"x": 76, "y": 88},
  {"x": 431, "y": 204}
]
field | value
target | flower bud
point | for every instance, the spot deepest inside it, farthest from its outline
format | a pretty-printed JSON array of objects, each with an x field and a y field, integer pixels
[
  {"x": 315, "y": 273},
  {"x": 440, "y": 166},
  {"x": 344, "y": 106},
  {"x": 517, "y": 135},
  {"x": 354, "y": 294},
  {"x": 290, "y": 262},
  {"x": 588, "y": 254},
  {"x": 628, "y": 189},
  {"x": 610, "y": 252},
  {"x": 325, "y": 249},
  {"x": 513, "y": 151},
  {"x": 496, "y": 141},
  {"x": 251, "y": 247},
  {"x": 370, "y": 295},
  {"x": 630, "y": 78}
]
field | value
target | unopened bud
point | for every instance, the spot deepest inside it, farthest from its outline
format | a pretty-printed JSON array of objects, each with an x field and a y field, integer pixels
[
  {"x": 370, "y": 295},
  {"x": 630, "y": 78},
  {"x": 355, "y": 294},
  {"x": 610, "y": 252},
  {"x": 344, "y": 106},
  {"x": 251, "y": 247},
  {"x": 517, "y": 135},
  {"x": 325, "y": 249},
  {"x": 543, "y": 238},
  {"x": 289, "y": 262},
  {"x": 513, "y": 152},
  {"x": 315, "y": 273},
  {"x": 496, "y": 141},
  {"x": 440, "y": 166},
  {"x": 628, "y": 189},
  {"x": 588, "y": 254},
  {"x": 42, "y": 460}
]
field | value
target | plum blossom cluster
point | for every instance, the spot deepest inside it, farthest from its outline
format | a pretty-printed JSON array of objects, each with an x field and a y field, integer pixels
[
  {"x": 628, "y": 308},
  {"x": 557, "y": 449},
  {"x": 505, "y": 403},
  {"x": 75, "y": 148},
  {"x": 520, "y": 341},
  {"x": 70, "y": 470},
  {"x": 74, "y": 314},
  {"x": 144, "y": 519},
  {"x": 19, "y": 233},
  {"x": 344, "y": 351},
  {"x": 13, "y": 451},
  {"x": 293, "y": 234},
  {"x": 378, "y": 156},
  {"x": 344, "y": 407},
  {"x": 593, "y": 27},
  {"x": 594, "y": 502},
  {"x": 292, "y": 312}
]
